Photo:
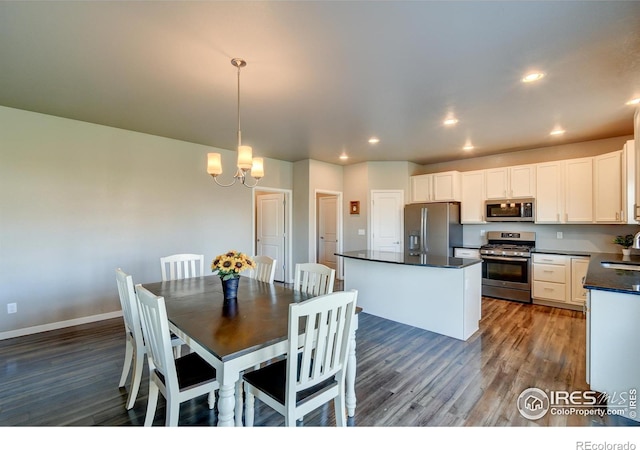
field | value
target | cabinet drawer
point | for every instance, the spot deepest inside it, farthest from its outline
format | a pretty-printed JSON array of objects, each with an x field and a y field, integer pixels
[
  {"x": 550, "y": 291},
  {"x": 547, "y": 272},
  {"x": 467, "y": 253},
  {"x": 549, "y": 259}
]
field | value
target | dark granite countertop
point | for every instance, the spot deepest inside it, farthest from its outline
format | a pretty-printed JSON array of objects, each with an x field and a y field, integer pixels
[
  {"x": 616, "y": 280},
  {"x": 423, "y": 259}
]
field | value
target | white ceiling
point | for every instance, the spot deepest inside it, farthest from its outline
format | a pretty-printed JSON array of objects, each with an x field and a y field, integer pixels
[{"x": 322, "y": 77}]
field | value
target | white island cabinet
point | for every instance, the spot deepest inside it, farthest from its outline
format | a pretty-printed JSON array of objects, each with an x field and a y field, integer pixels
[
  {"x": 441, "y": 294},
  {"x": 613, "y": 335}
]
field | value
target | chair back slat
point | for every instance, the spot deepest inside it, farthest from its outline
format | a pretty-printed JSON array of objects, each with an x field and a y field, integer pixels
[
  {"x": 181, "y": 266},
  {"x": 155, "y": 327},
  {"x": 319, "y": 331},
  {"x": 315, "y": 279},
  {"x": 265, "y": 268}
]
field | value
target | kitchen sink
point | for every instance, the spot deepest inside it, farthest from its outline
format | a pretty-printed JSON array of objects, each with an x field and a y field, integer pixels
[{"x": 620, "y": 266}]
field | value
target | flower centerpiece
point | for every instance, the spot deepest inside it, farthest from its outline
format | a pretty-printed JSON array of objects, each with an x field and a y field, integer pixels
[
  {"x": 626, "y": 242},
  {"x": 228, "y": 266}
]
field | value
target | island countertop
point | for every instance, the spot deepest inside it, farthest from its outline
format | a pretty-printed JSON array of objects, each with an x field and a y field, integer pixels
[
  {"x": 601, "y": 278},
  {"x": 422, "y": 259}
]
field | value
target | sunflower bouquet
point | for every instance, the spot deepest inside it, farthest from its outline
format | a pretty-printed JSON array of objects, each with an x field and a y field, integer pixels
[{"x": 230, "y": 264}]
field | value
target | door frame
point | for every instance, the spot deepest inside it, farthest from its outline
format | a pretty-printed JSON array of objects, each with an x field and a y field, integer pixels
[
  {"x": 339, "y": 227},
  {"x": 288, "y": 232}
]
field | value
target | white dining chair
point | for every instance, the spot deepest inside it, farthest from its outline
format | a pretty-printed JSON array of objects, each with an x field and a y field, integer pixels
[
  {"x": 314, "y": 370},
  {"x": 180, "y": 379},
  {"x": 265, "y": 268},
  {"x": 135, "y": 349},
  {"x": 181, "y": 266},
  {"x": 314, "y": 278}
]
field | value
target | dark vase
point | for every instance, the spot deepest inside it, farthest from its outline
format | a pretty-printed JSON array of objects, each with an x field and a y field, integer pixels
[{"x": 230, "y": 288}]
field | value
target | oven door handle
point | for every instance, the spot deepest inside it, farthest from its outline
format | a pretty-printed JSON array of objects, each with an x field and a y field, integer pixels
[{"x": 498, "y": 258}]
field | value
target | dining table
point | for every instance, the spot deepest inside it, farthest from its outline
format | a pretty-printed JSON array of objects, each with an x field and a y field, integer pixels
[{"x": 234, "y": 336}]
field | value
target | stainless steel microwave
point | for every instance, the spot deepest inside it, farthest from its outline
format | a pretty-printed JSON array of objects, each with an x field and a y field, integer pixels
[{"x": 518, "y": 210}]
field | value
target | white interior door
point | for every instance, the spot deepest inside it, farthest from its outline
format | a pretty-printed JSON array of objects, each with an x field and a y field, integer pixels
[
  {"x": 386, "y": 220},
  {"x": 270, "y": 230},
  {"x": 328, "y": 231}
]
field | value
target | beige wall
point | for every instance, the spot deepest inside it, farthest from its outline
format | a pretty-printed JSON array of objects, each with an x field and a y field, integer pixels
[{"x": 79, "y": 200}]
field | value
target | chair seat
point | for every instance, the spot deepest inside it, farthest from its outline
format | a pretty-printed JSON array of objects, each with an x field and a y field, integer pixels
[
  {"x": 272, "y": 380},
  {"x": 192, "y": 370}
]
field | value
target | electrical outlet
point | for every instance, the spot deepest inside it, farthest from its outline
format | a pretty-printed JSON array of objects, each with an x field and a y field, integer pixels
[
  {"x": 12, "y": 308},
  {"x": 482, "y": 233},
  {"x": 360, "y": 231},
  {"x": 559, "y": 234}
]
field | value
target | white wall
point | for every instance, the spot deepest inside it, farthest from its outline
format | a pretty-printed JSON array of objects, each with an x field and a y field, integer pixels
[{"x": 78, "y": 200}]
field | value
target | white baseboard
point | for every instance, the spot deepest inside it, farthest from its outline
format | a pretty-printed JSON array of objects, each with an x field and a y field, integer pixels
[{"x": 58, "y": 325}]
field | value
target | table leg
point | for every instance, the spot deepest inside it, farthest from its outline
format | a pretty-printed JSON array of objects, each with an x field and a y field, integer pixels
[
  {"x": 351, "y": 377},
  {"x": 239, "y": 402},
  {"x": 226, "y": 403}
]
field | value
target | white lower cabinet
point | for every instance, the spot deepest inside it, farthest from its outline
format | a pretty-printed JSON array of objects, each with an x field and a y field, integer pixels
[
  {"x": 579, "y": 267},
  {"x": 558, "y": 279}
]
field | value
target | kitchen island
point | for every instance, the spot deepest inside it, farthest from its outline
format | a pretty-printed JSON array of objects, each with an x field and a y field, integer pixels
[
  {"x": 437, "y": 293},
  {"x": 613, "y": 313}
]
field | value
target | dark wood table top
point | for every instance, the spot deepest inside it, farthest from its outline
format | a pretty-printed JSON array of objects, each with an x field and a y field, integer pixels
[{"x": 260, "y": 318}]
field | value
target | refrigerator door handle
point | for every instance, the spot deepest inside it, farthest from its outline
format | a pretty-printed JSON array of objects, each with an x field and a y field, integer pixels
[{"x": 424, "y": 231}]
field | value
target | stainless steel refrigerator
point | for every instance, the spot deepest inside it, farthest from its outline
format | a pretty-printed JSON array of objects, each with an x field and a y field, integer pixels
[{"x": 432, "y": 228}]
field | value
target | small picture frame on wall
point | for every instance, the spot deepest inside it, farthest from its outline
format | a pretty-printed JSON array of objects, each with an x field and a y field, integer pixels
[{"x": 354, "y": 207}]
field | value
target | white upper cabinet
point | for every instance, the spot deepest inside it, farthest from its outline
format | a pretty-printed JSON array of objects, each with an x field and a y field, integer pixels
[
  {"x": 550, "y": 192},
  {"x": 511, "y": 182},
  {"x": 421, "y": 187},
  {"x": 579, "y": 190},
  {"x": 609, "y": 188},
  {"x": 630, "y": 188},
  {"x": 472, "y": 206},
  {"x": 436, "y": 187},
  {"x": 636, "y": 149}
]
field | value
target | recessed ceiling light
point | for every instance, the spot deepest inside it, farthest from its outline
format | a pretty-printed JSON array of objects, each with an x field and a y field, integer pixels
[
  {"x": 344, "y": 157},
  {"x": 532, "y": 76},
  {"x": 450, "y": 121},
  {"x": 635, "y": 101},
  {"x": 374, "y": 140},
  {"x": 557, "y": 132}
]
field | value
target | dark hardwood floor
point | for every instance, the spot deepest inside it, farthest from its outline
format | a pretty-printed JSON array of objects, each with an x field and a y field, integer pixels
[{"x": 405, "y": 376}]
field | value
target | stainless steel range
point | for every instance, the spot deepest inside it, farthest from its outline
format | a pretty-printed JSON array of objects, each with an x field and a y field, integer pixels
[{"x": 506, "y": 268}]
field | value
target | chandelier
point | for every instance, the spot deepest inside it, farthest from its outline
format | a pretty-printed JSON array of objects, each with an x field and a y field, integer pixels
[{"x": 245, "y": 158}]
